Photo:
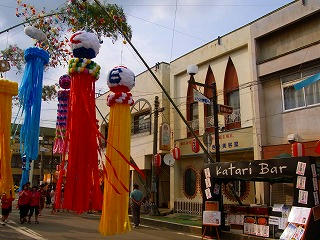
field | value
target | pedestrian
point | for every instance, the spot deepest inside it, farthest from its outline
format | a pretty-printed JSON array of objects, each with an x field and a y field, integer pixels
[
  {"x": 6, "y": 206},
  {"x": 52, "y": 196},
  {"x": 48, "y": 197},
  {"x": 23, "y": 203},
  {"x": 136, "y": 197},
  {"x": 42, "y": 197},
  {"x": 35, "y": 197}
]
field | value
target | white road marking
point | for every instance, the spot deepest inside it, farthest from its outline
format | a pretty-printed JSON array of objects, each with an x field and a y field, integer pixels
[
  {"x": 25, "y": 231},
  {"x": 189, "y": 235}
]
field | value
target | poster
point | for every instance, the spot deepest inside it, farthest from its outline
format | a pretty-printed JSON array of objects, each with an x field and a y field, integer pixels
[
  {"x": 301, "y": 182},
  {"x": 246, "y": 228},
  {"x": 301, "y": 168},
  {"x": 298, "y": 234},
  {"x": 265, "y": 231},
  {"x": 316, "y": 198},
  {"x": 277, "y": 207},
  {"x": 216, "y": 189},
  {"x": 314, "y": 171},
  {"x": 208, "y": 182},
  {"x": 211, "y": 218},
  {"x": 208, "y": 193},
  {"x": 303, "y": 197},
  {"x": 283, "y": 223},
  {"x": 299, "y": 215},
  {"x": 288, "y": 232},
  {"x": 315, "y": 184},
  {"x": 207, "y": 172}
]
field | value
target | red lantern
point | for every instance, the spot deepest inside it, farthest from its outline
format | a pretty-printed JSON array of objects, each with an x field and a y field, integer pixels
[
  {"x": 318, "y": 147},
  {"x": 176, "y": 153},
  {"x": 157, "y": 160},
  {"x": 195, "y": 145},
  {"x": 297, "y": 149}
]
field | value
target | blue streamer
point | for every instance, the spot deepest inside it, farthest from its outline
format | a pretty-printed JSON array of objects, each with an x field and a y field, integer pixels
[{"x": 30, "y": 93}]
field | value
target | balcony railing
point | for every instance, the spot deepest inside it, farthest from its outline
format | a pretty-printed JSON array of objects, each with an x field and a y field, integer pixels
[
  {"x": 141, "y": 128},
  {"x": 234, "y": 117},
  {"x": 194, "y": 124}
]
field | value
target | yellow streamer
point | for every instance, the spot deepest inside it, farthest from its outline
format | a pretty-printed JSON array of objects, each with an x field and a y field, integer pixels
[
  {"x": 115, "y": 219},
  {"x": 7, "y": 90}
]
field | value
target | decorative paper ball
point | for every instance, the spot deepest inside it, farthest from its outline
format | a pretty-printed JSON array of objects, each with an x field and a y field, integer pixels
[
  {"x": 84, "y": 45},
  {"x": 35, "y": 33},
  {"x": 65, "y": 81},
  {"x": 121, "y": 79}
]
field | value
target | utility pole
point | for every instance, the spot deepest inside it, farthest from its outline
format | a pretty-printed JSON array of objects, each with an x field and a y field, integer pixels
[
  {"x": 154, "y": 207},
  {"x": 216, "y": 121}
]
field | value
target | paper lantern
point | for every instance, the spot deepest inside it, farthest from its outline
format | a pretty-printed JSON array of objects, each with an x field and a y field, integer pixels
[
  {"x": 318, "y": 147},
  {"x": 176, "y": 153},
  {"x": 297, "y": 149},
  {"x": 157, "y": 160},
  {"x": 195, "y": 145}
]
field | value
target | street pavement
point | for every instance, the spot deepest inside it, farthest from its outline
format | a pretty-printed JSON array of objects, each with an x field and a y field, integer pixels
[{"x": 60, "y": 226}]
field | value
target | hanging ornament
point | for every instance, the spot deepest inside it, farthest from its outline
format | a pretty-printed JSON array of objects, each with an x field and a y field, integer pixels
[
  {"x": 195, "y": 145},
  {"x": 176, "y": 153},
  {"x": 157, "y": 160},
  {"x": 30, "y": 92},
  {"x": 62, "y": 114},
  {"x": 82, "y": 190},
  {"x": 8, "y": 89},
  {"x": 114, "y": 218}
]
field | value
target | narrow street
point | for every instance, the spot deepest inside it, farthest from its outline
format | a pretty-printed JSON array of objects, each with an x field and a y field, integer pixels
[{"x": 70, "y": 226}]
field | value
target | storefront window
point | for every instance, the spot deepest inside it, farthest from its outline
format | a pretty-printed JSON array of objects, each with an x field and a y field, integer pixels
[{"x": 190, "y": 182}]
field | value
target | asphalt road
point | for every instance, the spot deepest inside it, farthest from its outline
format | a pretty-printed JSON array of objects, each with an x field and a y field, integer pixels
[{"x": 62, "y": 226}]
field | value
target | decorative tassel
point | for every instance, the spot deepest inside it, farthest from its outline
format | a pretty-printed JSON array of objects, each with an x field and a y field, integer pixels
[
  {"x": 7, "y": 90},
  {"x": 30, "y": 92},
  {"x": 114, "y": 218}
]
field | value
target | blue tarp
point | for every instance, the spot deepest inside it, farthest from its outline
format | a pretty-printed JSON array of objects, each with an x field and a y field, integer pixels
[{"x": 307, "y": 81}]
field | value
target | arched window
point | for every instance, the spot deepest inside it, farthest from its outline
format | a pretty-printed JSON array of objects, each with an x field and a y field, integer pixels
[
  {"x": 231, "y": 96},
  {"x": 192, "y": 111},
  {"x": 190, "y": 182},
  {"x": 208, "y": 108},
  {"x": 140, "y": 117}
]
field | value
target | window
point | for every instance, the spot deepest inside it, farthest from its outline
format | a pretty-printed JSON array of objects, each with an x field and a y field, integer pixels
[
  {"x": 234, "y": 99},
  {"x": 194, "y": 113},
  {"x": 293, "y": 99},
  {"x": 190, "y": 182},
  {"x": 141, "y": 123}
]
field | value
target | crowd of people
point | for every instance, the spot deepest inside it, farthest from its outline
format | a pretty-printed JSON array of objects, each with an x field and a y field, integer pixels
[{"x": 31, "y": 201}]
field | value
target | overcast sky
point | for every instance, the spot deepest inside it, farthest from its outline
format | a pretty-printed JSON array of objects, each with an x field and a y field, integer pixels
[{"x": 195, "y": 22}]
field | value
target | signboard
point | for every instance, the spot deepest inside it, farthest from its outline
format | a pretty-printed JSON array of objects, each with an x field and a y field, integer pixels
[
  {"x": 224, "y": 109},
  {"x": 165, "y": 135},
  {"x": 229, "y": 141},
  {"x": 211, "y": 218},
  {"x": 199, "y": 97}
]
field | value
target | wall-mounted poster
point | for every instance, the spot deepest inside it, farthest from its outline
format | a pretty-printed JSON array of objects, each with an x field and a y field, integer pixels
[
  {"x": 301, "y": 168},
  {"x": 165, "y": 135},
  {"x": 303, "y": 197},
  {"x": 299, "y": 215},
  {"x": 301, "y": 182}
]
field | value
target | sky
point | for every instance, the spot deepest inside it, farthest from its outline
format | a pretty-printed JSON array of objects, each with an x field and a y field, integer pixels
[{"x": 162, "y": 30}]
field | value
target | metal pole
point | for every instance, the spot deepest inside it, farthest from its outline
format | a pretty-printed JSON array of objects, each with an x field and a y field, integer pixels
[
  {"x": 216, "y": 122},
  {"x": 154, "y": 207},
  {"x": 155, "y": 78}
]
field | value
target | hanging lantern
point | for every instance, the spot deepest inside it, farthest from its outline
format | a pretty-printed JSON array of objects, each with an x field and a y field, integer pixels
[
  {"x": 318, "y": 147},
  {"x": 176, "y": 153},
  {"x": 157, "y": 160},
  {"x": 297, "y": 149},
  {"x": 195, "y": 145}
]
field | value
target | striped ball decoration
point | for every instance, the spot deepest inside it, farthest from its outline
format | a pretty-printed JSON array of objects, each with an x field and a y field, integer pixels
[
  {"x": 297, "y": 149},
  {"x": 176, "y": 153},
  {"x": 157, "y": 160},
  {"x": 83, "y": 65},
  {"x": 195, "y": 146},
  {"x": 84, "y": 45},
  {"x": 317, "y": 150},
  {"x": 65, "y": 81}
]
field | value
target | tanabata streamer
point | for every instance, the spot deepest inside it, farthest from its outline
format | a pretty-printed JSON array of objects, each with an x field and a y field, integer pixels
[
  {"x": 7, "y": 90},
  {"x": 114, "y": 219},
  {"x": 82, "y": 189},
  {"x": 30, "y": 92},
  {"x": 62, "y": 114}
]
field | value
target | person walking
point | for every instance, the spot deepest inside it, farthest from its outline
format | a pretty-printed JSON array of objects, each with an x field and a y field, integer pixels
[
  {"x": 23, "y": 203},
  {"x": 35, "y": 197},
  {"x": 136, "y": 197},
  {"x": 6, "y": 206},
  {"x": 52, "y": 196},
  {"x": 42, "y": 197}
]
